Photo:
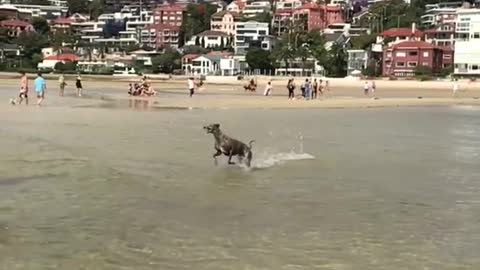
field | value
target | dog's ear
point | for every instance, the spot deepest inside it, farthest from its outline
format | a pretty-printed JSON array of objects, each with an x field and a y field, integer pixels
[{"x": 216, "y": 125}]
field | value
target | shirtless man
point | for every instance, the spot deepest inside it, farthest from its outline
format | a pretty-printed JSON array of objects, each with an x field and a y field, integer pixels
[{"x": 23, "y": 94}]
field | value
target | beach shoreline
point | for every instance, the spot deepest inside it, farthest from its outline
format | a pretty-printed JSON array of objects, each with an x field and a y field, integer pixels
[{"x": 344, "y": 94}]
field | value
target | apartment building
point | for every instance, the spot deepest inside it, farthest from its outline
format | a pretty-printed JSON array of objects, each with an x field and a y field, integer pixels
[
  {"x": 256, "y": 8},
  {"x": 116, "y": 5},
  {"x": 401, "y": 59},
  {"x": 251, "y": 34},
  {"x": 316, "y": 16},
  {"x": 467, "y": 42},
  {"x": 224, "y": 21}
]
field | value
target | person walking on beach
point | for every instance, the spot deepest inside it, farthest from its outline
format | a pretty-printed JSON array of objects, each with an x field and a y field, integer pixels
[
  {"x": 374, "y": 87},
  {"x": 40, "y": 88},
  {"x": 455, "y": 87},
  {"x": 79, "y": 86},
  {"x": 23, "y": 94},
  {"x": 366, "y": 88},
  {"x": 268, "y": 89},
  {"x": 315, "y": 89},
  {"x": 291, "y": 89},
  {"x": 62, "y": 84},
  {"x": 191, "y": 86}
]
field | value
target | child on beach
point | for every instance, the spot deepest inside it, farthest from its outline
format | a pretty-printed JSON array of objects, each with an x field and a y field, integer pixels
[
  {"x": 455, "y": 87},
  {"x": 61, "y": 81},
  {"x": 268, "y": 89},
  {"x": 78, "y": 83},
  {"x": 40, "y": 88},
  {"x": 366, "y": 88},
  {"x": 23, "y": 94}
]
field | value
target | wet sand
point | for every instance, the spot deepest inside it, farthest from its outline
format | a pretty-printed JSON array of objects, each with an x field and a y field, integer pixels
[{"x": 342, "y": 94}]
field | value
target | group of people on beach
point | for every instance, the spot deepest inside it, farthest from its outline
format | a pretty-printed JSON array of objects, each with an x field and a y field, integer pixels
[
  {"x": 40, "y": 87},
  {"x": 310, "y": 89},
  {"x": 144, "y": 88}
]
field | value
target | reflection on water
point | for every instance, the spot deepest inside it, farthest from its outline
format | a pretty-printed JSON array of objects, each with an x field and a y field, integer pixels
[{"x": 91, "y": 188}]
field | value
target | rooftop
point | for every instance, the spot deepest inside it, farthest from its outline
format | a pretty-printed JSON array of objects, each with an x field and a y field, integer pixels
[
  {"x": 401, "y": 32},
  {"x": 211, "y": 33},
  {"x": 413, "y": 45}
]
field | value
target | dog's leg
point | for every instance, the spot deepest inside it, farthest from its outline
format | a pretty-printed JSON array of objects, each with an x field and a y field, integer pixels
[
  {"x": 249, "y": 158},
  {"x": 230, "y": 158},
  {"x": 218, "y": 153}
]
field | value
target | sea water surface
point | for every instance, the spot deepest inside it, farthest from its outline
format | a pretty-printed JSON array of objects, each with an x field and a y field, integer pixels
[{"x": 96, "y": 188}]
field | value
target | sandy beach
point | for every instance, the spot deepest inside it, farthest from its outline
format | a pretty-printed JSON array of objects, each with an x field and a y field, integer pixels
[{"x": 225, "y": 93}]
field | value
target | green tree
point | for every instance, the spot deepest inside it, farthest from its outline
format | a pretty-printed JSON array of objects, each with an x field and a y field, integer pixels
[
  {"x": 197, "y": 20},
  {"x": 41, "y": 25},
  {"x": 167, "y": 62},
  {"x": 363, "y": 42},
  {"x": 203, "y": 42},
  {"x": 337, "y": 61},
  {"x": 222, "y": 44},
  {"x": 194, "y": 50},
  {"x": 78, "y": 6},
  {"x": 58, "y": 39},
  {"x": 258, "y": 59},
  {"x": 32, "y": 43},
  {"x": 96, "y": 8}
]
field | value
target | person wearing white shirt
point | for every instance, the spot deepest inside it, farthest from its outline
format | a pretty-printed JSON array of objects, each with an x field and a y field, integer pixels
[{"x": 191, "y": 86}]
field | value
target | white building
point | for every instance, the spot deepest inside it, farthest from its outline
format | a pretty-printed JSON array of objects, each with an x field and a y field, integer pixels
[
  {"x": 467, "y": 42},
  {"x": 357, "y": 60},
  {"x": 48, "y": 12},
  {"x": 250, "y": 33},
  {"x": 230, "y": 66},
  {"x": 210, "y": 39},
  {"x": 289, "y": 5},
  {"x": 205, "y": 65},
  {"x": 256, "y": 8}
]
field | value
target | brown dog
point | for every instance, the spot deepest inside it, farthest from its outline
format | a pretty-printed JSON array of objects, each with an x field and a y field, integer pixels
[{"x": 229, "y": 146}]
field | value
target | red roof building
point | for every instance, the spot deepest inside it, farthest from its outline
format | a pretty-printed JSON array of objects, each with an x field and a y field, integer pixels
[
  {"x": 62, "y": 58},
  {"x": 16, "y": 27},
  {"x": 403, "y": 58}
]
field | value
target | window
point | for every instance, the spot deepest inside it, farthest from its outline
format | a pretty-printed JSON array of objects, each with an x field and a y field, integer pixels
[
  {"x": 476, "y": 35},
  {"x": 389, "y": 54},
  {"x": 414, "y": 53},
  {"x": 262, "y": 32},
  {"x": 400, "y": 64},
  {"x": 425, "y": 54},
  {"x": 412, "y": 64},
  {"x": 400, "y": 54},
  {"x": 474, "y": 67},
  {"x": 425, "y": 64},
  {"x": 447, "y": 56},
  {"x": 265, "y": 46}
]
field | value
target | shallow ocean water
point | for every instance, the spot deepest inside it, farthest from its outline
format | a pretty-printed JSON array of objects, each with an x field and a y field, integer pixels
[{"x": 91, "y": 187}]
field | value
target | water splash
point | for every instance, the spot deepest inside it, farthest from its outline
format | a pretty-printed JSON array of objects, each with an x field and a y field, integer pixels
[{"x": 269, "y": 160}]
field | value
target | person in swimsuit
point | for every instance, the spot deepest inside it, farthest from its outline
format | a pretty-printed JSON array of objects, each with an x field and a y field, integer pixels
[
  {"x": 314, "y": 89},
  {"x": 23, "y": 94},
  {"x": 79, "y": 86}
]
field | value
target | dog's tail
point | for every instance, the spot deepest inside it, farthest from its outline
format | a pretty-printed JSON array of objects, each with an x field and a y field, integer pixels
[{"x": 250, "y": 144}]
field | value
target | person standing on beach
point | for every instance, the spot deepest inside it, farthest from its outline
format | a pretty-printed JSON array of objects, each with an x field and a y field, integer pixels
[
  {"x": 40, "y": 88},
  {"x": 302, "y": 87},
  {"x": 79, "y": 86},
  {"x": 374, "y": 87},
  {"x": 62, "y": 84},
  {"x": 366, "y": 88},
  {"x": 268, "y": 89},
  {"x": 315, "y": 89},
  {"x": 455, "y": 87},
  {"x": 191, "y": 86},
  {"x": 291, "y": 89},
  {"x": 308, "y": 89}
]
